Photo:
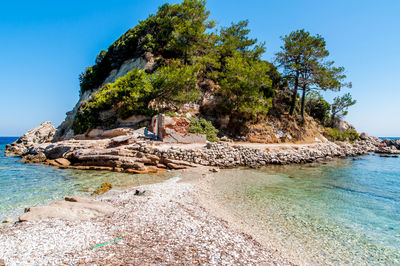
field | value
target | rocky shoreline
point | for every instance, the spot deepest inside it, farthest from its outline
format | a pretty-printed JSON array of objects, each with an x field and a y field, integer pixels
[
  {"x": 134, "y": 154},
  {"x": 168, "y": 224}
]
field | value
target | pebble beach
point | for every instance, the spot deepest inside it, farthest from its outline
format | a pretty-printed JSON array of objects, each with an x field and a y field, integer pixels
[{"x": 166, "y": 225}]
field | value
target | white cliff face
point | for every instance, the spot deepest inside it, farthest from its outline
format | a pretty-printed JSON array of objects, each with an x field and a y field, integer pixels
[{"x": 64, "y": 131}]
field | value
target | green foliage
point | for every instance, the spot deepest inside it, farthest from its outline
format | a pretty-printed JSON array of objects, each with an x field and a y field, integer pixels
[
  {"x": 317, "y": 107},
  {"x": 341, "y": 104},
  {"x": 175, "y": 84},
  {"x": 244, "y": 85},
  {"x": 335, "y": 135},
  {"x": 132, "y": 93},
  {"x": 128, "y": 95},
  {"x": 175, "y": 31},
  {"x": 303, "y": 58},
  {"x": 202, "y": 126}
]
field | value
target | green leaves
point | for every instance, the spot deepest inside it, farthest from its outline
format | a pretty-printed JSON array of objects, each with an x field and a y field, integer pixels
[
  {"x": 175, "y": 84},
  {"x": 202, "y": 126},
  {"x": 244, "y": 84},
  {"x": 303, "y": 59},
  {"x": 341, "y": 104}
]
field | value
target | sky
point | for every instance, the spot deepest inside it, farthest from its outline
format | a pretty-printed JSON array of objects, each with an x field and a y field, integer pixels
[{"x": 45, "y": 45}]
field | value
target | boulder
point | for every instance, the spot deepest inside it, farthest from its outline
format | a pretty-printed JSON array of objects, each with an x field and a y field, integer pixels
[
  {"x": 363, "y": 136},
  {"x": 95, "y": 133},
  {"x": 63, "y": 161},
  {"x": 117, "y": 132},
  {"x": 39, "y": 135},
  {"x": 73, "y": 209},
  {"x": 133, "y": 120},
  {"x": 341, "y": 125}
]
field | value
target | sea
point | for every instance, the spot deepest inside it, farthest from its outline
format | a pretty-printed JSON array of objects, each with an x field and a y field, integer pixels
[{"x": 345, "y": 211}]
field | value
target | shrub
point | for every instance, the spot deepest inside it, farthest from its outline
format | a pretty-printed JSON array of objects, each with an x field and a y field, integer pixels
[
  {"x": 335, "y": 135},
  {"x": 128, "y": 95},
  {"x": 202, "y": 126},
  {"x": 351, "y": 135}
]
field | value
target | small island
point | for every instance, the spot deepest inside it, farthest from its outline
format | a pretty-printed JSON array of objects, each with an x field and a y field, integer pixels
[{"x": 176, "y": 93}]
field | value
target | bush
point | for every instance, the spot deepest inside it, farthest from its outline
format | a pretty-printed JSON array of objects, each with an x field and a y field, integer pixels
[
  {"x": 202, "y": 126},
  {"x": 333, "y": 134},
  {"x": 351, "y": 135},
  {"x": 128, "y": 95}
]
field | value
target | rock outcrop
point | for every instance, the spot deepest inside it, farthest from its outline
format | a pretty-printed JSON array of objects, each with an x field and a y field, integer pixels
[
  {"x": 145, "y": 62},
  {"x": 72, "y": 209},
  {"x": 132, "y": 155},
  {"x": 39, "y": 135},
  {"x": 341, "y": 125},
  {"x": 389, "y": 146}
]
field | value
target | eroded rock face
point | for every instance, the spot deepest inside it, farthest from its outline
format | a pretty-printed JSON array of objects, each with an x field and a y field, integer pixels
[
  {"x": 39, "y": 135},
  {"x": 72, "y": 209}
]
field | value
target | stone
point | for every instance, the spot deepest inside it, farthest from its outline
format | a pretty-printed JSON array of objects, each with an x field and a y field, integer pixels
[
  {"x": 103, "y": 189},
  {"x": 341, "y": 125},
  {"x": 78, "y": 209},
  {"x": 63, "y": 161},
  {"x": 42, "y": 134},
  {"x": 53, "y": 163},
  {"x": 7, "y": 221},
  {"x": 363, "y": 136},
  {"x": 133, "y": 121},
  {"x": 117, "y": 132},
  {"x": 95, "y": 133}
]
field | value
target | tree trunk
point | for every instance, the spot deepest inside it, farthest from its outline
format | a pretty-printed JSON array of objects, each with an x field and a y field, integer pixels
[
  {"x": 294, "y": 96},
  {"x": 303, "y": 100}
]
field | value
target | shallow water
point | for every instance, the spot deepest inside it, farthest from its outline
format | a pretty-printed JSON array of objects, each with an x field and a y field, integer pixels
[
  {"x": 24, "y": 185},
  {"x": 343, "y": 212}
]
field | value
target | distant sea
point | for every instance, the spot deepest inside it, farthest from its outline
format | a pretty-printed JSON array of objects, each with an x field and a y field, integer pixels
[{"x": 389, "y": 137}]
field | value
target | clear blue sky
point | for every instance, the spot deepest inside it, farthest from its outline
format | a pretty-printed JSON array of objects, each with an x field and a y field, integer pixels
[{"x": 44, "y": 45}]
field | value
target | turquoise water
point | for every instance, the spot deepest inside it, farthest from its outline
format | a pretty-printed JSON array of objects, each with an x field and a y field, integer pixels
[
  {"x": 343, "y": 212},
  {"x": 23, "y": 185}
]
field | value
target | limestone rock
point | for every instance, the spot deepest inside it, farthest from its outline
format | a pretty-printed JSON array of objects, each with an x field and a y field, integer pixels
[
  {"x": 63, "y": 161},
  {"x": 77, "y": 209},
  {"x": 41, "y": 134},
  {"x": 95, "y": 133},
  {"x": 341, "y": 125},
  {"x": 117, "y": 132}
]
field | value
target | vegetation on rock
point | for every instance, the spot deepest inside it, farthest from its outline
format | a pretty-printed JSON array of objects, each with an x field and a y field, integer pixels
[
  {"x": 202, "y": 126},
  {"x": 193, "y": 60},
  {"x": 333, "y": 134}
]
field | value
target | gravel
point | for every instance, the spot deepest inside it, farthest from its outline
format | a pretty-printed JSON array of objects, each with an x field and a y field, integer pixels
[{"x": 166, "y": 225}]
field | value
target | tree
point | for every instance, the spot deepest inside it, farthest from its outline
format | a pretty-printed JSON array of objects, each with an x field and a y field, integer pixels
[
  {"x": 317, "y": 107},
  {"x": 244, "y": 85},
  {"x": 189, "y": 22},
  {"x": 303, "y": 60},
  {"x": 175, "y": 84},
  {"x": 340, "y": 105}
]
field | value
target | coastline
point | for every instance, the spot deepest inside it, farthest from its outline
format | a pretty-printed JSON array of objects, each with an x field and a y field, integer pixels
[
  {"x": 150, "y": 222},
  {"x": 169, "y": 224}
]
